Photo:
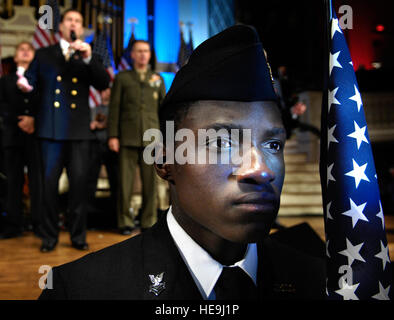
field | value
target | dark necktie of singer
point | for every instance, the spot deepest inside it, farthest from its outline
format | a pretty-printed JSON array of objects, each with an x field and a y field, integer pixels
[{"x": 235, "y": 284}]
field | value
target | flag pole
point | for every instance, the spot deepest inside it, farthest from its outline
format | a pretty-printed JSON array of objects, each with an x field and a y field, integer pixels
[{"x": 324, "y": 110}]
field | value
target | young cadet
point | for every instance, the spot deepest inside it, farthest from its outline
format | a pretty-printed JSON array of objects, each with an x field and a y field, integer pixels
[{"x": 213, "y": 242}]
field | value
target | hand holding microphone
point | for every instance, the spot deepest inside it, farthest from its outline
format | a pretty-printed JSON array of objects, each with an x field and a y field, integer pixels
[{"x": 82, "y": 49}]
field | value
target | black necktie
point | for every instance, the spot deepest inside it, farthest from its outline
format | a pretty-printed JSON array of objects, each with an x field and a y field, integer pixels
[{"x": 235, "y": 284}]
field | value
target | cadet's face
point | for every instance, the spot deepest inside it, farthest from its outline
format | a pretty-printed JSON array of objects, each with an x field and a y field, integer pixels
[
  {"x": 238, "y": 203},
  {"x": 71, "y": 21}
]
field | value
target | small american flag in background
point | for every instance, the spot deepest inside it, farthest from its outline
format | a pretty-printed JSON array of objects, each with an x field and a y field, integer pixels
[
  {"x": 103, "y": 48},
  {"x": 126, "y": 62},
  {"x": 358, "y": 263},
  {"x": 190, "y": 46},
  {"x": 184, "y": 52}
]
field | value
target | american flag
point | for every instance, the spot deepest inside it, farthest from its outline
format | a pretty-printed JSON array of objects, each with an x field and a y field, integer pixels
[
  {"x": 190, "y": 46},
  {"x": 126, "y": 62},
  {"x": 183, "y": 53},
  {"x": 46, "y": 37},
  {"x": 103, "y": 48},
  {"x": 358, "y": 262}
]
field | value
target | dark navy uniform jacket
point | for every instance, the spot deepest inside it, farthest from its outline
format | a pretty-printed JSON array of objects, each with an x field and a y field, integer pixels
[
  {"x": 14, "y": 103},
  {"x": 63, "y": 86},
  {"x": 122, "y": 271}
]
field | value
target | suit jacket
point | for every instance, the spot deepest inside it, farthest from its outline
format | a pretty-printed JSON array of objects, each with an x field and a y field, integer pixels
[
  {"x": 134, "y": 106},
  {"x": 122, "y": 271},
  {"x": 13, "y": 103},
  {"x": 63, "y": 87}
]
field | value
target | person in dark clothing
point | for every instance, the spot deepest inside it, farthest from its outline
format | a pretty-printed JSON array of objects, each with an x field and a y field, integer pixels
[
  {"x": 62, "y": 75},
  {"x": 20, "y": 146},
  {"x": 102, "y": 155},
  {"x": 292, "y": 107},
  {"x": 135, "y": 98}
]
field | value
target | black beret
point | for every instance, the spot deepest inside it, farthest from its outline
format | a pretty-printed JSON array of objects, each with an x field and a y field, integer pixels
[{"x": 229, "y": 66}]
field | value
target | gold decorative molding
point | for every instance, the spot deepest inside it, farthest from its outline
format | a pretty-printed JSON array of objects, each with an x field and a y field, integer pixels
[{"x": 19, "y": 27}]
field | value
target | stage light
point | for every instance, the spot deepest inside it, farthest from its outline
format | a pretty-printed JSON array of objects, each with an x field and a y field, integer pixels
[{"x": 379, "y": 28}]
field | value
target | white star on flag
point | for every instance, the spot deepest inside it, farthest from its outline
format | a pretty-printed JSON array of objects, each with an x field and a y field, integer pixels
[
  {"x": 383, "y": 293},
  {"x": 383, "y": 254},
  {"x": 348, "y": 292},
  {"x": 380, "y": 214},
  {"x": 331, "y": 137},
  {"x": 356, "y": 212},
  {"x": 329, "y": 174},
  {"x": 358, "y": 173},
  {"x": 352, "y": 252},
  {"x": 335, "y": 27},
  {"x": 331, "y": 98},
  {"x": 334, "y": 61},
  {"x": 358, "y": 134},
  {"x": 357, "y": 98},
  {"x": 328, "y": 211}
]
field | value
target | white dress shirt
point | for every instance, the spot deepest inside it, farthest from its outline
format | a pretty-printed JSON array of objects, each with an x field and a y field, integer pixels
[
  {"x": 204, "y": 269},
  {"x": 64, "y": 45}
]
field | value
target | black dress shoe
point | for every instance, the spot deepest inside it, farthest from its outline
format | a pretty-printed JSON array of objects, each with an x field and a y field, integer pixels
[
  {"x": 80, "y": 246},
  {"x": 47, "y": 247}
]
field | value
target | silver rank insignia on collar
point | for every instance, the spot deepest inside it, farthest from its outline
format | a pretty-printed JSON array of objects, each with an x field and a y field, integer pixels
[{"x": 157, "y": 285}]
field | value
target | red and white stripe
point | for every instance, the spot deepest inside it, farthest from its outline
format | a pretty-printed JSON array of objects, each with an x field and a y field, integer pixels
[
  {"x": 111, "y": 74},
  {"x": 94, "y": 95},
  {"x": 123, "y": 65},
  {"x": 44, "y": 37}
]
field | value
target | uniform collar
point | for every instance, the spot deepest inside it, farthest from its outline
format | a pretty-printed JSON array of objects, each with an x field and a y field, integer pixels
[
  {"x": 64, "y": 45},
  {"x": 204, "y": 269}
]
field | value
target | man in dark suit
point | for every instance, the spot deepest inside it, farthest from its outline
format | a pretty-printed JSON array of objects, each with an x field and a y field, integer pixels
[
  {"x": 214, "y": 242},
  {"x": 62, "y": 74},
  {"x": 20, "y": 145}
]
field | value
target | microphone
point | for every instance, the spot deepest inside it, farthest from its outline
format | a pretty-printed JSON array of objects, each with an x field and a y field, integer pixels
[{"x": 73, "y": 37}]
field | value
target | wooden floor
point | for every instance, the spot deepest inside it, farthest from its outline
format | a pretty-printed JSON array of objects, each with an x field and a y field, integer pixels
[{"x": 20, "y": 258}]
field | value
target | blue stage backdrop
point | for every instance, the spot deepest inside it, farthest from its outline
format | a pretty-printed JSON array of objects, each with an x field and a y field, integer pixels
[
  {"x": 135, "y": 9},
  {"x": 167, "y": 15}
]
